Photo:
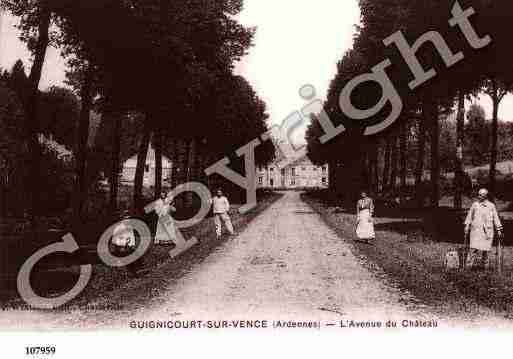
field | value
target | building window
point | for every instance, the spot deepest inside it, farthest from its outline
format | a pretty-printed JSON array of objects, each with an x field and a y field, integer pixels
[
  {"x": 147, "y": 168},
  {"x": 303, "y": 168},
  {"x": 260, "y": 180},
  {"x": 324, "y": 169},
  {"x": 293, "y": 171},
  {"x": 271, "y": 169},
  {"x": 271, "y": 182},
  {"x": 324, "y": 180},
  {"x": 293, "y": 182},
  {"x": 283, "y": 172}
]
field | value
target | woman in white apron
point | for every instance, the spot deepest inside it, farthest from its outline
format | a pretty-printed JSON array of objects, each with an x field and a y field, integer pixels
[
  {"x": 166, "y": 230},
  {"x": 364, "y": 218}
]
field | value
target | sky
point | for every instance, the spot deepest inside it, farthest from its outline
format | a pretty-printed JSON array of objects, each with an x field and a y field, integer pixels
[
  {"x": 296, "y": 43},
  {"x": 12, "y": 49}
]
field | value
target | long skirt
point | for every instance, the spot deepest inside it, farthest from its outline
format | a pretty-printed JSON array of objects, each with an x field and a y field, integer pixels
[
  {"x": 166, "y": 231},
  {"x": 365, "y": 226}
]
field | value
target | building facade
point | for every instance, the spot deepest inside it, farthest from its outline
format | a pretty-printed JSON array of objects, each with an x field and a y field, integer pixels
[
  {"x": 297, "y": 175},
  {"x": 130, "y": 165}
]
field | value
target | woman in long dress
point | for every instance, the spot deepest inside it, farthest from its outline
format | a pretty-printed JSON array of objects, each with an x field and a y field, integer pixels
[
  {"x": 364, "y": 218},
  {"x": 166, "y": 230}
]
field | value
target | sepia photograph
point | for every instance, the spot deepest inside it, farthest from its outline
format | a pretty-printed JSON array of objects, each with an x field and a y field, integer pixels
[{"x": 185, "y": 170}]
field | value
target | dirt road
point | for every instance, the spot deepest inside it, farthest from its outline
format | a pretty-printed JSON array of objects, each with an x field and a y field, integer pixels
[{"x": 286, "y": 265}]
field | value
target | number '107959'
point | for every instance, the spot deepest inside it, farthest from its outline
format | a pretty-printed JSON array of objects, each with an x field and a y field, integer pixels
[{"x": 48, "y": 350}]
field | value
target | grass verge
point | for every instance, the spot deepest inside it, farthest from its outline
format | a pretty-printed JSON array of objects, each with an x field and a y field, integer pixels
[
  {"x": 114, "y": 289},
  {"x": 415, "y": 261}
]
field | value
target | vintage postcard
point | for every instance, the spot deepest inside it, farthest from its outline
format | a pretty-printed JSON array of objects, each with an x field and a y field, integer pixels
[{"x": 192, "y": 168}]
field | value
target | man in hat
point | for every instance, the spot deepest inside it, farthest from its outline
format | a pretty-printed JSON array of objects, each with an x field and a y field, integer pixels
[
  {"x": 480, "y": 225},
  {"x": 221, "y": 206}
]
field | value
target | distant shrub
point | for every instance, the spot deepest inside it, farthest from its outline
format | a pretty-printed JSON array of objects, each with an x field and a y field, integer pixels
[
  {"x": 481, "y": 176},
  {"x": 504, "y": 187}
]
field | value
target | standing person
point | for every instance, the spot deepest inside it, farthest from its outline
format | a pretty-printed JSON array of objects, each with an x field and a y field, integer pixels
[
  {"x": 364, "y": 218},
  {"x": 221, "y": 206},
  {"x": 480, "y": 225},
  {"x": 166, "y": 230}
]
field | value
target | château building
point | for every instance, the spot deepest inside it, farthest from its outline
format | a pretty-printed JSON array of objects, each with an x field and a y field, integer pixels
[{"x": 297, "y": 175}]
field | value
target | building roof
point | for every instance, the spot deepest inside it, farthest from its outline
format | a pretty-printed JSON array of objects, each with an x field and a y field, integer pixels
[
  {"x": 301, "y": 161},
  {"x": 150, "y": 157}
]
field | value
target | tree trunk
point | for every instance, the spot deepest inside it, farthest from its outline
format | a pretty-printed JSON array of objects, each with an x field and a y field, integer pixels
[
  {"x": 335, "y": 184},
  {"x": 331, "y": 176},
  {"x": 114, "y": 172},
  {"x": 174, "y": 162},
  {"x": 365, "y": 172},
  {"x": 191, "y": 169},
  {"x": 141, "y": 162},
  {"x": 83, "y": 136},
  {"x": 386, "y": 168},
  {"x": 419, "y": 169},
  {"x": 373, "y": 168},
  {"x": 181, "y": 167},
  {"x": 404, "y": 162},
  {"x": 394, "y": 165},
  {"x": 493, "y": 150},
  {"x": 460, "y": 138},
  {"x": 202, "y": 161},
  {"x": 376, "y": 168},
  {"x": 210, "y": 159},
  {"x": 32, "y": 123},
  {"x": 356, "y": 174},
  {"x": 182, "y": 160},
  {"x": 158, "y": 137},
  {"x": 432, "y": 112}
]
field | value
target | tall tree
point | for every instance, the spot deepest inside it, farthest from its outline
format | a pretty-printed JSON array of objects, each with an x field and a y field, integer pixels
[
  {"x": 403, "y": 143},
  {"x": 141, "y": 163},
  {"x": 432, "y": 114},
  {"x": 59, "y": 111},
  {"x": 12, "y": 152},
  {"x": 495, "y": 68},
  {"x": 17, "y": 80},
  {"x": 35, "y": 27},
  {"x": 419, "y": 168},
  {"x": 158, "y": 142},
  {"x": 497, "y": 90},
  {"x": 115, "y": 162},
  {"x": 394, "y": 162},
  {"x": 86, "y": 99},
  {"x": 460, "y": 138},
  {"x": 387, "y": 164},
  {"x": 477, "y": 138}
]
